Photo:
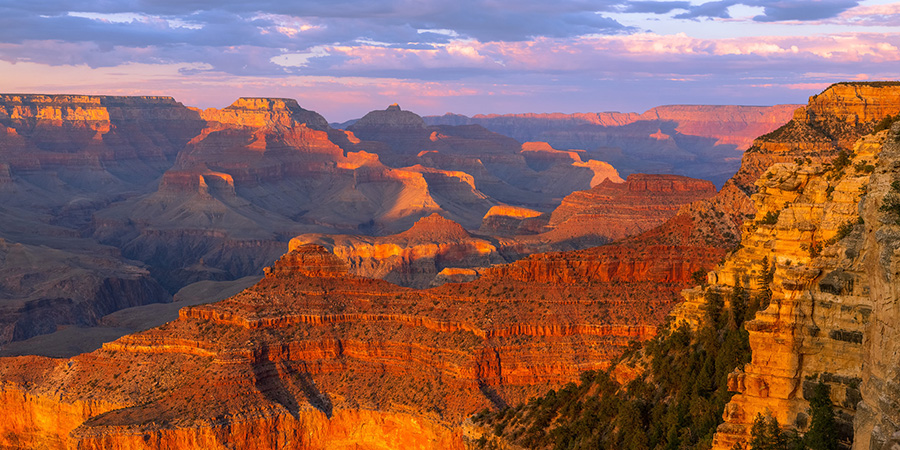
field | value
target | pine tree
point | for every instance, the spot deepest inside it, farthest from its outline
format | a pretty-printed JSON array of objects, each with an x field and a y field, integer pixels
[{"x": 822, "y": 434}]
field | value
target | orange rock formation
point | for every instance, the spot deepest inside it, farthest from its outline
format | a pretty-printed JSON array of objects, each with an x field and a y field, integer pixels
[
  {"x": 312, "y": 357},
  {"x": 411, "y": 258}
]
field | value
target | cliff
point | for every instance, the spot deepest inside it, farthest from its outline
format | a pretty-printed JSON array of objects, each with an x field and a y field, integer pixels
[
  {"x": 312, "y": 357},
  {"x": 809, "y": 250},
  {"x": 101, "y": 133}
]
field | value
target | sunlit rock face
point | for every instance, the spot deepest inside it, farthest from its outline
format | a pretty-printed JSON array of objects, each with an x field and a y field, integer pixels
[
  {"x": 312, "y": 357},
  {"x": 817, "y": 227},
  {"x": 414, "y": 257}
]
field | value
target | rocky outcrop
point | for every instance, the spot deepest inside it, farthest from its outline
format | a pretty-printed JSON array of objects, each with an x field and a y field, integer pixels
[
  {"x": 506, "y": 220},
  {"x": 411, "y": 258},
  {"x": 611, "y": 211}
]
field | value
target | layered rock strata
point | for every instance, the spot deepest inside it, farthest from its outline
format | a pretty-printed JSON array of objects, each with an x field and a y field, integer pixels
[
  {"x": 611, "y": 211},
  {"x": 312, "y": 357},
  {"x": 810, "y": 244}
]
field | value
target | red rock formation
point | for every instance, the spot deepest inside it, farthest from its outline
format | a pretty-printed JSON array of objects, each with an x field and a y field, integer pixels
[
  {"x": 117, "y": 134},
  {"x": 611, "y": 211},
  {"x": 312, "y": 358},
  {"x": 505, "y": 220}
]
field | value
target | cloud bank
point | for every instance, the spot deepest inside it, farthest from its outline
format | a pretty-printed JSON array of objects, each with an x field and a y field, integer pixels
[{"x": 523, "y": 55}]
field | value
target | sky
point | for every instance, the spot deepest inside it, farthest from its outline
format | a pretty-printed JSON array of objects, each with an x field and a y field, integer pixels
[{"x": 343, "y": 58}]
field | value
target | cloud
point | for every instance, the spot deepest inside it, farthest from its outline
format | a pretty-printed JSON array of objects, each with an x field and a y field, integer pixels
[
  {"x": 874, "y": 15},
  {"x": 802, "y": 10},
  {"x": 717, "y": 9},
  {"x": 773, "y": 10},
  {"x": 654, "y": 7}
]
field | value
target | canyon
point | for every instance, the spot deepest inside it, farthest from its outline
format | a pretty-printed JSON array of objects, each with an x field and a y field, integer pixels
[
  {"x": 501, "y": 302},
  {"x": 326, "y": 359},
  {"x": 146, "y": 196}
]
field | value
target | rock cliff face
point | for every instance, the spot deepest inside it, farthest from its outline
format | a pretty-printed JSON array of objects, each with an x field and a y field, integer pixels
[
  {"x": 101, "y": 133},
  {"x": 512, "y": 220},
  {"x": 811, "y": 244},
  {"x": 877, "y": 421},
  {"x": 312, "y": 357}
]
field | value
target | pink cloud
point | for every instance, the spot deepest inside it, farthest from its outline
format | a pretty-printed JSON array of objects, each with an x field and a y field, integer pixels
[{"x": 588, "y": 53}]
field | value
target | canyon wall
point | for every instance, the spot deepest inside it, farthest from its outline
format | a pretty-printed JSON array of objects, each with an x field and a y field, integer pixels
[
  {"x": 811, "y": 248},
  {"x": 312, "y": 357}
]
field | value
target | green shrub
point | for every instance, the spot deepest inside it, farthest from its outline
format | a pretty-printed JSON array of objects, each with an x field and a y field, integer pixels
[
  {"x": 885, "y": 123},
  {"x": 840, "y": 161},
  {"x": 771, "y": 218},
  {"x": 891, "y": 206}
]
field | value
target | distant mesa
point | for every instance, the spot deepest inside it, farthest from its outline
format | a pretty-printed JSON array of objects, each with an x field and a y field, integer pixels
[
  {"x": 261, "y": 112},
  {"x": 393, "y": 118}
]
